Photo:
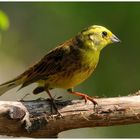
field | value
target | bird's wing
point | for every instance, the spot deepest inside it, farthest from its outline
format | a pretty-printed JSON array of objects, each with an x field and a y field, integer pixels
[{"x": 50, "y": 64}]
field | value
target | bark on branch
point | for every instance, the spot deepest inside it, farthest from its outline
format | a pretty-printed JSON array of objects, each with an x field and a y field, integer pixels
[{"x": 34, "y": 119}]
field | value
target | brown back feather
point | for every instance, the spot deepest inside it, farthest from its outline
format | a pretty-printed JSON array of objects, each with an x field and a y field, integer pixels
[{"x": 52, "y": 63}]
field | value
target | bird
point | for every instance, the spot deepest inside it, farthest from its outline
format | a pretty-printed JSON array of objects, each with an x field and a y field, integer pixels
[{"x": 67, "y": 65}]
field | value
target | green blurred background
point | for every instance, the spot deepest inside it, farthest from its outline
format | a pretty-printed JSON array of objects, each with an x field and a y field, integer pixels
[{"x": 36, "y": 28}]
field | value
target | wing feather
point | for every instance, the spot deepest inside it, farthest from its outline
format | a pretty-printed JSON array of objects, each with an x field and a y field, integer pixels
[{"x": 50, "y": 64}]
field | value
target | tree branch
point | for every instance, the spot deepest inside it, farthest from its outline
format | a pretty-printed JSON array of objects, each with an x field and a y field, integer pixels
[{"x": 34, "y": 119}]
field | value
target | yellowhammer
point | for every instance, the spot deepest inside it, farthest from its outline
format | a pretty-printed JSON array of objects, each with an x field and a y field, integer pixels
[{"x": 67, "y": 65}]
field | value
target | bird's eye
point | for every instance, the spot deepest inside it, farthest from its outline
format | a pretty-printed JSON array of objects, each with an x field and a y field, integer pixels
[{"x": 104, "y": 34}]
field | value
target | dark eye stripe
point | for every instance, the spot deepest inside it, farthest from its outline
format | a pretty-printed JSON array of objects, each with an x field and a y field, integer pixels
[{"x": 104, "y": 33}]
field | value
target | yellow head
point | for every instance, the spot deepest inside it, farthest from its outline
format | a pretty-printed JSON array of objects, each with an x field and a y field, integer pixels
[{"x": 97, "y": 37}]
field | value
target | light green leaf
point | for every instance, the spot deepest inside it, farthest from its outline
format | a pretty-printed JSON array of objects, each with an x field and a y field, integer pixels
[{"x": 4, "y": 21}]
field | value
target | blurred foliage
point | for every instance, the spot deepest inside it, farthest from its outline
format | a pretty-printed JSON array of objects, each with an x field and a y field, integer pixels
[
  {"x": 35, "y": 28},
  {"x": 4, "y": 21}
]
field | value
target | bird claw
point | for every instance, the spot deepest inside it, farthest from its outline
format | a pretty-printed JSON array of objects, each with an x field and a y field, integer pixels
[
  {"x": 85, "y": 97},
  {"x": 53, "y": 106}
]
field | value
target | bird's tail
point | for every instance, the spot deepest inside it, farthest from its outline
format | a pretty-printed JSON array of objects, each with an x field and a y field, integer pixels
[{"x": 10, "y": 84}]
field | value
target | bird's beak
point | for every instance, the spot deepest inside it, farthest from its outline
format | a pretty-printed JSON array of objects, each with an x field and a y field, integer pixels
[{"x": 114, "y": 39}]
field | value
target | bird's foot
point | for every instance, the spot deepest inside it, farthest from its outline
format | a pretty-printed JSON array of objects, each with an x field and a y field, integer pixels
[
  {"x": 53, "y": 106},
  {"x": 85, "y": 97}
]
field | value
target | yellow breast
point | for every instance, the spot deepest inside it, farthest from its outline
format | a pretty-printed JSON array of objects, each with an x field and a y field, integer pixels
[
  {"x": 71, "y": 78},
  {"x": 71, "y": 81}
]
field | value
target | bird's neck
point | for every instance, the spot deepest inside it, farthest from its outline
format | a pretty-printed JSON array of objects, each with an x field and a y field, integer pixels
[
  {"x": 91, "y": 57},
  {"x": 89, "y": 54},
  {"x": 89, "y": 44}
]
